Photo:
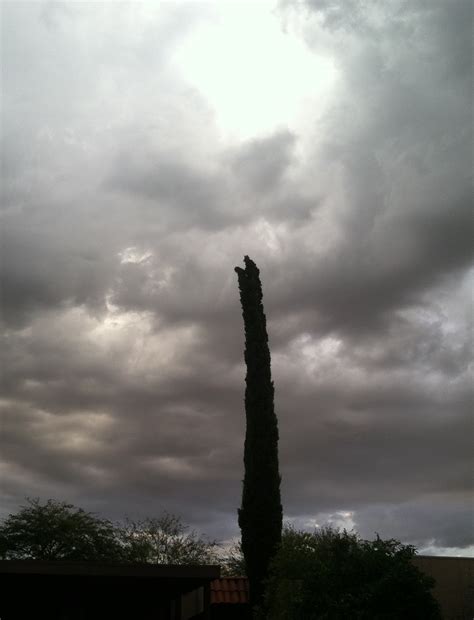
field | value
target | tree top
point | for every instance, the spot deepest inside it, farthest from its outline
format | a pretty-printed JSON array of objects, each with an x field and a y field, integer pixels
[{"x": 250, "y": 268}]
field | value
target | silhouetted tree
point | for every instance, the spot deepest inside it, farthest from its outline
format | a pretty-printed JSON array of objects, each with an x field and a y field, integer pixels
[
  {"x": 57, "y": 531},
  {"x": 260, "y": 516},
  {"x": 165, "y": 540},
  {"x": 232, "y": 562},
  {"x": 332, "y": 574}
]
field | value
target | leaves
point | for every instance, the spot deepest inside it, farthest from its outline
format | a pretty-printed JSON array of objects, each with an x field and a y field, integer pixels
[
  {"x": 57, "y": 531},
  {"x": 336, "y": 575},
  {"x": 260, "y": 515},
  {"x": 165, "y": 540},
  {"x": 60, "y": 531},
  {"x": 233, "y": 562}
]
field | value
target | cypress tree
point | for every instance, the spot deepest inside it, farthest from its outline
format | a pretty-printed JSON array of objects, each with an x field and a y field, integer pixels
[{"x": 260, "y": 516}]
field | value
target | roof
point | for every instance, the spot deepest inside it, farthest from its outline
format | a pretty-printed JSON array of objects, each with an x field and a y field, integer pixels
[
  {"x": 61, "y": 567},
  {"x": 230, "y": 590}
]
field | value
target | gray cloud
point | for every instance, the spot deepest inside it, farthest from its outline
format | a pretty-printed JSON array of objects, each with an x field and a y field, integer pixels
[
  {"x": 263, "y": 162},
  {"x": 123, "y": 214}
]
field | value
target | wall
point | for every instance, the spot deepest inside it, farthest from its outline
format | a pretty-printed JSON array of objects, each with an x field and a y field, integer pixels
[{"x": 454, "y": 588}]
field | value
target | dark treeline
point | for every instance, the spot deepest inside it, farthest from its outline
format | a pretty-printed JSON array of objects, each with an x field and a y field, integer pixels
[
  {"x": 55, "y": 530},
  {"x": 313, "y": 575}
]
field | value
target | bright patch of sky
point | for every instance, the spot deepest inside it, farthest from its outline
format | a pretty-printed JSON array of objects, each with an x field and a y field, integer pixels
[
  {"x": 453, "y": 552},
  {"x": 255, "y": 76}
]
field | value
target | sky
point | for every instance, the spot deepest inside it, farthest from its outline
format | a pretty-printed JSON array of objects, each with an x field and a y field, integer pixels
[{"x": 146, "y": 148}]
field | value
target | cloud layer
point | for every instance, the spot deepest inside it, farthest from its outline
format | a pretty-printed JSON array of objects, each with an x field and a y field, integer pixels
[{"x": 126, "y": 205}]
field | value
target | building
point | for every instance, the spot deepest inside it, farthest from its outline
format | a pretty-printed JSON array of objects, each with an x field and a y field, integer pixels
[
  {"x": 92, "y": 591},
  {"x": 454, "y": 588},
  {"x": 230, "y": 599}
]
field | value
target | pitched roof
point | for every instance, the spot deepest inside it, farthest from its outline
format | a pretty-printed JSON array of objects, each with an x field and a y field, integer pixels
[{"x": 230, "y": 590}]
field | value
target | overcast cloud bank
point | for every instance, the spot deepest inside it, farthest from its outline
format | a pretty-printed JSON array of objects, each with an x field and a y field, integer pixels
[{"x": 126, "y": 203}]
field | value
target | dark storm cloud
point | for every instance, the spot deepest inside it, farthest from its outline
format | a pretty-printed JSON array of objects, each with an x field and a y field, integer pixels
[
  {"x": 60, "y": 236},
  {"x": 400, "y": 144},
  {"x": 447, "y": 516},
  {"x": 41, "y": 272},
  {"x": 123, "y": 215},
  {"x": 182, "y": 196},
  {"x": 262, "y": 163},
  {"x": 389, "y": 268},
  {"x": 246, "y": 181}
]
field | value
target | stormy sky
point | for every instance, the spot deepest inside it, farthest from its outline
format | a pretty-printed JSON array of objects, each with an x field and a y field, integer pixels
[{"x": 146, "y": 148}]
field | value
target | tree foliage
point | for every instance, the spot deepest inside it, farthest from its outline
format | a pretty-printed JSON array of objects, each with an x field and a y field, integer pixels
[
  {"x": 165, "y": 540},
  {"x": 60, "y": 531},
  {"x": 334, "y": 575},
  {"x": 260, "y": 515},
  {"x": 57, "y": 531},
  {"x": 233, "y": 561}
]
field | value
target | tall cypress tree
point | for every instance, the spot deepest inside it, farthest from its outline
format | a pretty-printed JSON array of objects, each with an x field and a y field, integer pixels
[{"x": 260, "y": 516}]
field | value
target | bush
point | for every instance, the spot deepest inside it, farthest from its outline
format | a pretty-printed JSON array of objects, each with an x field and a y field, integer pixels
[{"x": 334, "y": 575}]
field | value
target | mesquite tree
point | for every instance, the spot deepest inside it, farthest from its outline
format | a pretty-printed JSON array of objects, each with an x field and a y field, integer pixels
[{"x": 260, "y": 517}]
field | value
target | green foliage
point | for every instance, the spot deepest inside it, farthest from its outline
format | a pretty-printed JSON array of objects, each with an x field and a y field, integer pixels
[
  {"x": 260, "y": 516},
  {"x": 165, "y": 540},
  {"x": 233, "y": 562},
  {"x": 60, "y": 531},
  {"x": 57, "y": 531},
  {"x": 333, "y": 575}
]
